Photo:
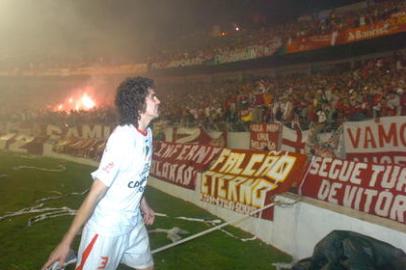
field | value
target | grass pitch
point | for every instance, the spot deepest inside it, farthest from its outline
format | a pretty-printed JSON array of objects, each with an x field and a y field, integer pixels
[{"x": 24, "y": 247}]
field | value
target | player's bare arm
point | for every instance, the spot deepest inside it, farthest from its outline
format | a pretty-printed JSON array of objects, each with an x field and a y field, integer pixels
[
  {"x": 147, "y": 212},
  {"x": 97, "y": 191}
]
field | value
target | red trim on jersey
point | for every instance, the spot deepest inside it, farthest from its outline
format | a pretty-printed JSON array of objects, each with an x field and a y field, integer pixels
[
  {"x": 144, "y": 133},
  {"x": 86, "y": 252}
]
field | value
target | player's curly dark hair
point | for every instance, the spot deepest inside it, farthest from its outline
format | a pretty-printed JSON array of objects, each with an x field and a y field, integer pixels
[{"x": 130, "y": 99}]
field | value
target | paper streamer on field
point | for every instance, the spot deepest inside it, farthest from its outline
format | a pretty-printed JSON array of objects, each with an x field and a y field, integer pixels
[
  {"x": 60, "y": 168},
  {"x": 210, "y": 222},
  {"x": 212, "y": 229},
  {"x": 34, "y": 209},
  {"x": 58, "y": 213},
  {"x": 48, "y": 212},
  {"x": 29, "y": 157},
  {"x": 61, "y": 195},
  {"x": 173, "y": 234}
]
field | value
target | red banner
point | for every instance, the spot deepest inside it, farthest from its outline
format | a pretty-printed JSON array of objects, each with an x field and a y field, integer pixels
[
  {"x": 395, "y": 24},
  {"x": 377, "y": 142},
  {"x": 372, "y": 188},
  {"x": 180, "y": 163},
  {"x": 265, "y": 136},
  {"x": 309, "y": 43},
  {"x": 243, "y": 180},
  {"x": 199, "y": 136},
  {"x": 91, "y": 148}
]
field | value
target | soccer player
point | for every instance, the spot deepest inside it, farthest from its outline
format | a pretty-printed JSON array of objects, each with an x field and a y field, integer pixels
[{"x": 115, "y": 211}]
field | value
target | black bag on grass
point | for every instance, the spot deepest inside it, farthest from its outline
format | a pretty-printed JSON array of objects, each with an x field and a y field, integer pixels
[{"x": 342, "y": 250}]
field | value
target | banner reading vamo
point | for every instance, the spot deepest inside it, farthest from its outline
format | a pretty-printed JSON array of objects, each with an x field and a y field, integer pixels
[
  {"x": 243, "y": 180},
  {"x": 377, "y": 142}
]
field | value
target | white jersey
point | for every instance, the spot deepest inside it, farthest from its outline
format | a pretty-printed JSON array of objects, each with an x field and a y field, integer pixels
[{"x": 124, "y": 168}]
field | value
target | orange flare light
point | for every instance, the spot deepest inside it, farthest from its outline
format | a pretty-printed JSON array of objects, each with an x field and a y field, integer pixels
[{"x": 87, "y": 102}]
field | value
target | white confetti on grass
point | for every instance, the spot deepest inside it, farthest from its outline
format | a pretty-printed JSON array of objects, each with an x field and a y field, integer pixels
[
  {"x": 173, "y": 234},
  {"x": 63, "y": 211},
  {"x": 33, "y": 209},
  {"x": 209, "y": 222},
  {"x": 60, "y": 168},
  {"x": 57, "y": 197},
  {"x": 46, "y": 212}
]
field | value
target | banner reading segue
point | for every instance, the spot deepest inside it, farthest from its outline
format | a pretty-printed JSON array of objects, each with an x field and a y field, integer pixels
[
  {"x": 180, "y": 163},
  {"x": 372, "y": 188},
  {"x": 243, "y": 180}
]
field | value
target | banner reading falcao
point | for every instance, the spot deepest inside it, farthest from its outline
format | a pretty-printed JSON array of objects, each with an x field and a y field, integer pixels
[
  {"x": 180, "y": 163},
  {"x": 243, "y": 180},
  {"x": 372, "y": 188}
]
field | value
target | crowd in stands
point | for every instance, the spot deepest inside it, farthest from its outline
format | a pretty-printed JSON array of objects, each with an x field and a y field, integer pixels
[
  {"x": 372, "y": 89},
  {"x": 241, "y": 43},
  {"x": 365, "y": 89},
  {"x": 255, "y": 42},
  {"x": 44, "y": 116},
  {"x": 369, "y": 89},
  {"x": 336, "y": 21}
]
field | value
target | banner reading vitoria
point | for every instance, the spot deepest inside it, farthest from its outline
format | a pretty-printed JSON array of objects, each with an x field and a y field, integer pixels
[
  {"x": 372, "y": 188},
  {"x": 180, "y": 163},
  {"x": 243, "y": 180},
  {"x": 377, "y": 142}
]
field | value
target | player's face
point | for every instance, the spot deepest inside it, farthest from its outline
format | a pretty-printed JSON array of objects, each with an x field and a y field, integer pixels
[{"x": 152, "y": 104}]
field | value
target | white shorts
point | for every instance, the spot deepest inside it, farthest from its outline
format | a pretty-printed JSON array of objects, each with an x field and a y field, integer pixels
[{"x": 98, "y": 251}]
